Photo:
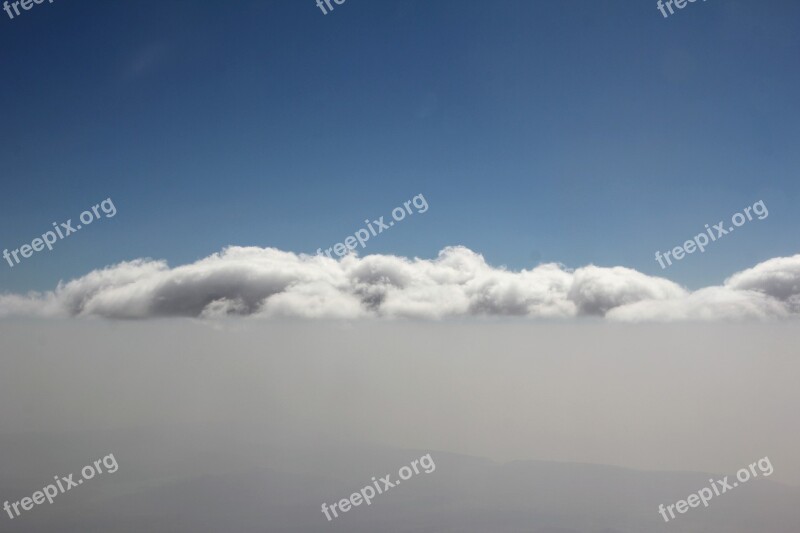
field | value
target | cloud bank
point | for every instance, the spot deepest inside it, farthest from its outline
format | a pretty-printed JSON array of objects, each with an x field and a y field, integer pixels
[{"x": 270, "y": 283}]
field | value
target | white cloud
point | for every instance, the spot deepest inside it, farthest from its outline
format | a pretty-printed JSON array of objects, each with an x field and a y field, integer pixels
[
  {"x": 711, "y": 303},
  {"x": 596, "y": 290},
  {"x": 778, "y": 278},
  {"x": 266, "y": 282}
]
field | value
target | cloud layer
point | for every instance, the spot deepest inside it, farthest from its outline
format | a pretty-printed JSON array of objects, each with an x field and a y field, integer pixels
[{"x": 267, "y": 282}]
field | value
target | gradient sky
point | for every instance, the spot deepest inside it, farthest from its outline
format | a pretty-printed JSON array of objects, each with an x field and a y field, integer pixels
[{"x": 571, "y": 131}]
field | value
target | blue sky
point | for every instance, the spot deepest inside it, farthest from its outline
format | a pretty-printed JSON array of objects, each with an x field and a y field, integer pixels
[{"x": 571, "y": 131}]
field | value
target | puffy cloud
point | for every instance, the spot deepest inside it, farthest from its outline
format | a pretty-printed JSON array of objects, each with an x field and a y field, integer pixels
[
  {"x": 595, "y": 290},
  {"x": 711, "y": 303},
  {"x": 778, "y": 278},
  {"x": 269, "y": 283}
]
